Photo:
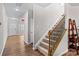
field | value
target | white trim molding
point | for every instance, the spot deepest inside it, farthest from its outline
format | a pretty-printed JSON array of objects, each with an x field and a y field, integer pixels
[{"x": 63, "y": 52}]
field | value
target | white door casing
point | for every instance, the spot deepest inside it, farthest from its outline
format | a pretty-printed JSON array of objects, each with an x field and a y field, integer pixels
[{"x": 26, "y": 28}]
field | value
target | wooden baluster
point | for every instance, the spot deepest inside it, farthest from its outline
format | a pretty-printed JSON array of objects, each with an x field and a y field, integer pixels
[{"x": 50, "y": 49}]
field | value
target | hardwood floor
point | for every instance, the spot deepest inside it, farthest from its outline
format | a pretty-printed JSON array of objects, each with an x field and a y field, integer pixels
[
  {"x": 71, "y": 52},
  {"x": 15, "y": 46}
]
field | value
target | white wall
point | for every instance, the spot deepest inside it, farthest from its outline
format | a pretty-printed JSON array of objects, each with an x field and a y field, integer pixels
[
  {"x": 26, "y": 28},
  {"x": 73, "y": 13},
  {"x": 3, "y": 28},
  {"x": 63, "y": 46},
  {"x": 45, "y": 17}
]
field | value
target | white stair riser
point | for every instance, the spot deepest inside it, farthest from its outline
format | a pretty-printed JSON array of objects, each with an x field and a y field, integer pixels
[
  {"x": 43, "y": 51},
  {"x": 46, "y": 46}
]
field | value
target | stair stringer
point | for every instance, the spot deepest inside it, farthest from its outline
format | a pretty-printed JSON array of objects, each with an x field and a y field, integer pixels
[
  {"x": 52, "y": 26},
  {"x": 63, "y": 46}
]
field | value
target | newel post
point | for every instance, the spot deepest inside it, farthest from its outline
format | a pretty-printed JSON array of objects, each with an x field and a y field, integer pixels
[{"x": 50, "y": 49}]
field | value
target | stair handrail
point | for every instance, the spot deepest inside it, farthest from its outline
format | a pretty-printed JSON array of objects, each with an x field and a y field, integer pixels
[{"x": 50, "y": 33}]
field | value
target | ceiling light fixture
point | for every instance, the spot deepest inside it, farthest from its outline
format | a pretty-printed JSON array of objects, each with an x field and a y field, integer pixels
[{"x": 17, "y": 9}]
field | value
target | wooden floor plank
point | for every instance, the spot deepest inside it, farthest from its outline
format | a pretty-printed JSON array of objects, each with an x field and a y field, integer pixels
[
  {"x": 71, "y": 52},
  {"x": 15, "y": 46}
]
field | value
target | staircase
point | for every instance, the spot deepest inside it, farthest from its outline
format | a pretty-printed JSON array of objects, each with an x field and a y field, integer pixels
[{"x": 50, "y": 42}]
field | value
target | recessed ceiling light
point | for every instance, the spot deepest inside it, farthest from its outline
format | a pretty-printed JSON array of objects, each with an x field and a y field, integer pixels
[
  {"x": 61, "y": 4},
  {"x": 17, "y": 9},
  {"x": 13, "y": 18}
]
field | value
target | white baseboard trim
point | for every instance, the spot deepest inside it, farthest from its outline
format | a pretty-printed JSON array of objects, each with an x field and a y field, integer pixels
[
  {"x": 2, "y": 51},
  {"x": 3, "y": 47},
  {"x": 63, "y": 52},
  {"x": 26, "y": 42},
  {"x": 34, "y": 48}
]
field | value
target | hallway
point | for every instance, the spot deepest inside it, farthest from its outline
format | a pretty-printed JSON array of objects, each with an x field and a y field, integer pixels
[{"x": 15, "y": 46}]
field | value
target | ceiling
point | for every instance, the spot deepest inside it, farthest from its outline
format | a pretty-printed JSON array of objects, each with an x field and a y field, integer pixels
[
  {"x": 74, "y": 4},
  {"x": 43, "y": 4},
  {"x": 18, "y": 9}
]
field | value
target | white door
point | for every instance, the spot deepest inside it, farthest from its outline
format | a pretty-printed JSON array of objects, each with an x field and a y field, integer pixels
[{"x": 12, "y": 27}]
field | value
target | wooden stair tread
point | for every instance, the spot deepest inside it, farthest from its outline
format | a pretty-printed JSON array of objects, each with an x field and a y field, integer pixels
[
  {"x": 52, "y": 36},
  {"x": 50, "y": 40},
  {"x": 45, "y": 43},
  {"x": 43, "y": 50}
]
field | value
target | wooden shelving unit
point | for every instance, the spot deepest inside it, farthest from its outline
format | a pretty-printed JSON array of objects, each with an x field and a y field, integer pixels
[{"x": 73, "y": 42}]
